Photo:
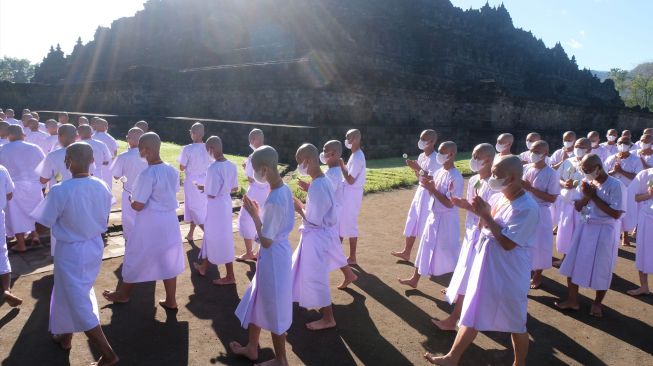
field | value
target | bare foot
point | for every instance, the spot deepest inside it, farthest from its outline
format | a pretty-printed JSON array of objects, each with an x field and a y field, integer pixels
[
  {"x": 442, "y": 360},
  {"x": 245, "y": 351},
  {"x": 596, "y": 310},
  {"x": 246, "y": 257},
  {"x": 346, "y": 282},
  {"x": 408, "y": 282},
  {"x": 200, "y": 269},
  {"x": 224, "y": 281},
  {"x": 639, "y": 292},
  {"x": 320, "y": 324},
  {"x": 447, "y": 324},
  {"x": 443, "y": 291},
  {"x": 189, "y": 237},
  {"x": 168, "y": 307},
  {"x": 114, "y": 297},
  {"x": 12, "y": 300},
  {"x": 352, "y": 261},
  {"x": 62, "y": 341},
  {"x": 535, "y": 284},
  {"x": 566, "y": 305},
  {"x": 106, "y": 361},
  {"x": 402, "y": 255}
]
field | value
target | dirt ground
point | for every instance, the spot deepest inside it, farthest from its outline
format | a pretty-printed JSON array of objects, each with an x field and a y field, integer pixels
[{"x": 379, "y": 321}]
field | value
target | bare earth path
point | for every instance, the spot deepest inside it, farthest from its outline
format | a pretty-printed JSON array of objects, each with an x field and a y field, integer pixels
[{"x": 379, "y": 322}]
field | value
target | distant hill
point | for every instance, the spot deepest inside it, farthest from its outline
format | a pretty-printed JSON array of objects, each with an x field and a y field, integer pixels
[{"x": 645, "y": 69}]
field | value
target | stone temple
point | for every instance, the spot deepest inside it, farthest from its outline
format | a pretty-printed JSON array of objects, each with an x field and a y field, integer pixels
[{"x": 308, "y": 70}]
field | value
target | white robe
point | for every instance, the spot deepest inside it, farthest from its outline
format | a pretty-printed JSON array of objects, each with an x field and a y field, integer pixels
[
  {"x": 632, "y": 164},
  {"x": 546, "y": 180},
  {"x": 108, "y": 140},
  {"x": 352, "y": 195},
  {"x": 6, "y": 187},
  {"x": 76, "y": 211},
  {"x": 593, "y": 252},
  {"x": 647, "y": 160},
  {"x": 644, "y": 250},
  {"x": 154, "y": 249},
  {"x": 128, "y": 164},
  {"x": 54, "y": 165},
  {"x": 336, "y": 253},
  {"x": 102, "y": 158},
  {"x": 196, "y": 160},
  {"x": 568, "y": 220},
  {"x": 311, "y": 259},
  {"x": 21, "y": 159},
  {"x": 257, "y": 192},
  {"x": 38, "y": 138},
  {"x": 218, "y": 242},
  {"x": 460, "y": 278},
  {"x": 497, "y": 292},
  {"x": 267, "y": 302},
  {"x": 51, "y": 143},
  {"x": 419, "y": 207},
  {"x": 439, "y": 245},
  {"x": 611, "y": 149}
]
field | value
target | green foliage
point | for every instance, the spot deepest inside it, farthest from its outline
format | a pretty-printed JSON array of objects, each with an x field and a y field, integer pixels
[
  {"x": 16, "y": 70},
  {"x": 636, "y": 86}
]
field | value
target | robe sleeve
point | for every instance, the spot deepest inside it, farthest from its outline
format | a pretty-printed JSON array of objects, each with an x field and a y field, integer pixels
[
  {"x": 272, "y": 221},
  {"x": 213, "y": 184},
  {"x": 554, "y": 183},
  {"x": 8, "y": 182},
  {"x": 521, "y": 225},
  {"x": 117, "y": 166},
  {"x": 142, "y": 188},
  {"x": 50, "y": 208},
  {"x": 183, "y": 156},
  {"x": 45, "y": 169},
  {"x": 249, "y": 170},
  {"x": 108, "y": 156},
  {"x": 458, "y": 185},
  {"x": 319, "y": 205},
  {"x": 234, "y": 177},
  {"x": 356, "y": 166},
  {"x": 617, "y": 197}
]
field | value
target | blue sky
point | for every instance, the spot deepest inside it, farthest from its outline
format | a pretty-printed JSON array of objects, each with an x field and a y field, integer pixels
[{"x": 602, "y": 34}]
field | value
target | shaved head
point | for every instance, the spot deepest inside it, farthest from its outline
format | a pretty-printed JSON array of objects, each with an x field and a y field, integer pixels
[
  {"x": 448, "y": 147},
  {"x": 142, "y": 125},
  {"x": 506, "y": 138},
  {"x": 540, "y": 147},
  {"x": 569, "y": 136},
  {"x": 484, "y": 152},
  {"x": 590, "y": 163},
  {"x": 353, "y": 133},
  {"x": 150, "y": 140},
  {"x": 648, "y": 131},
  {"x": 626, "y": 133},
  {"x": 32, "y": 124},
  {"x": 214, "y": 145},
  {"x": 82, "y": 121},
  {"x": 85, "y": 132},
  {"x": 197, "y": 128},
  {"x": 307, "y": 152},
  {"x": 333, "y": 146},
  {"x": 15, "y": 132},
  {"x": 593, "y": 135},
  {"x": 647, "y": 139},
  {"x": 133, "y": 135},
  {"x": 429, "y": 135},
  {"x": 508, "y": 167},
  {"x": 256, "y": 138},
  {"x": 67, "y": 134},
  {"x": 533, "y": 136},
  {"x": 265, "y": 156},
  {"x": 51, "y": 122},
  {"x": 583, "y": 143},
  {"x": 79, "y": 154},
  {"x": 4, "y": 127}
]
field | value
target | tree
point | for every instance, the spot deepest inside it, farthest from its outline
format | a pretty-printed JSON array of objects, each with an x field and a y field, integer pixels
[
  {"x": 16, "y": 70},
  {"x": 635, "y": 87}
]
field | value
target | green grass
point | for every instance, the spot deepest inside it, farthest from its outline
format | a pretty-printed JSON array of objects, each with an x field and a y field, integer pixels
[{"x": 382, "y": 174}]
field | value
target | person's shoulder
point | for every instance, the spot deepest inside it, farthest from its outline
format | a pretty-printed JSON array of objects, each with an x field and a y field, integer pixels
[
  {"x": 456, "y": 173},
  {"x": 527, "y": 202}
]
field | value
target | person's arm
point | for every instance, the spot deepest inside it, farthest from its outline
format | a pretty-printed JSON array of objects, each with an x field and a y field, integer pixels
[
  {"x": 444, "y": 200},
  {"x": 43, "y": 180},
  {"x": 644, "y": 196},
  {"x": 253, "y": 208},
  {"x": 544, "y": 196},
  {"x": 482, "y": 210},
  {"x": 345, "y": 173},
  {"x": 590, "y": 193},
  {"x": 10, "y": 195},
  {"x": 299, "y": 208},
  {"x": 626, "y": 174},
  {"x": 137, "y": 206}
]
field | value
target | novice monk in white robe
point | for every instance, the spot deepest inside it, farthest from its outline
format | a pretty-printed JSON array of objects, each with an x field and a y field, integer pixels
[
  {"x": 353, "y": 174},
  {"x": 419, "y": 207},
  {"x": 36, "y": 136},
  {"x": 194, "y": 161},
  {"x": 52, "y": 141},
  {"x": 496, "y": 298},
  {"x": 256, "y": 192},
  {"x": 543, "y": 183},
  {"x": 503, "y": 146},
  {"x": 593, "y": 253},
  {"x": 21, "y": 159},
  {"x": 531, "y": 138},
  {"x": 101, "y": 134},
  {"x": 597, "y": 148},
  {"x": 570, "y": 177},
  {"x": 4, "y": 133},
  {"x": 439, "y": 245},
  {"x": 218, "y": 242},
  {"x": 76, "y": 211},
  {"x": 642, "y": 189},
  {"x": 625, "y": 165},
  {"x": 126, "y": 168},
  {"x": 101, "y": 154},
  {"x": 154, "y": 250},
  {"x": 645, "y": 153},
  {"x": 481, "y": 162},
  {"x": 6, "y": 193},
  {"x": 311, "y": 260},
  {"x": 611, "y": 144},
  {"x": 267, "y": 302}
]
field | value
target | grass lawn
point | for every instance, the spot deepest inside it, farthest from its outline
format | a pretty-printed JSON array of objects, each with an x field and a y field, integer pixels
[{"x": 382, "y": 174}]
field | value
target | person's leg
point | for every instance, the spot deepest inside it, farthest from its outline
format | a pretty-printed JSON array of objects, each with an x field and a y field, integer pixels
[
  {"x": 229, "y": 278},
  {"x": 350, "y": 277},
  {"x": 327, "y": 321},
  {"x": 536, "y": 281},
  {"x": 11, "y": 299},
  {"x": 250, "y": 350},
  {"x": 558, "y": 262},
  {"x": 63, "y": 340},
  {"x": 20, "y": 243},
  {"x": 121, "y": 295},
  {"x": 625, "y": 240},
  {"x": 464, "y": 338},
  {"x": 597, "y": 305},
  {"x": 96, "y": 336},
  {"x": 279, "y": 344},
  {"x": 408, "y": 248},
  {"x": 201, "y": 267},
  {"x": 249, "y": 253},
  {"x": 170, "y": 286},
  {"x": 450, "y": 322},
  {"x": 520, "y": 346},
  {"x": 353, "y": 242},
  {"x": 572, "y": 297},
  {"x": 643, "y": 288},
  {"x": 412, "y": 282},
  {"x": 191, "y": 232}
]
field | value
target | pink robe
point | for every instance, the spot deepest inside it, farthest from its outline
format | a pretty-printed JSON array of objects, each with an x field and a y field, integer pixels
[
  {"x": 644, "y": 250},
  {"x": 419, "y": 207},
  {"x": 6, "y": 187},
  {"x": 569, "y": 218},
  {"x": 128, "y": 164},
  {"x": 267, "y": 302},
  {"x": 458, "y": 284},
  {"x": 593, "y": 252},
  {"x": 497, "y": 292},
  {"x": 257, "y": 192},
  {"x": 311, "y": 260},
  {"x": 352, "y": 195},
  {"x": 632, "y": 164},
  {"x": 548, "y": 181},
  {"x": 439, "y": 245},
  {"x": 336, "y": 252},
  {"x": 218, "y": 242}
]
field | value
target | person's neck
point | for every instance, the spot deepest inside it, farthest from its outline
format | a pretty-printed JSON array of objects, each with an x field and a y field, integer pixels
[
  {"x": 334, "y": 164},
  {"x": 513, "y": 191},
  {"x": 82, "y": 174},
  {"x": 429, "y": 150},
  {"x": 570, "y": 149},
  {"x": 485, "y": 173},
  {"x": 448, "y": 165},
  {"x": 612, "y": 143},
  {"x": 540, "y": 164},
  {"x": 505, "y": 152},
  {"x": 34, "y": 130},
  {"x": 154, "y": 160},
  {"x": 355, "y": 149},
  {"x": 85, "y": 138},
  {"x": 603, "y": 176},
  {"x": 275, "y": 182},
  {"x": 197, "y": 141},
  {"x": 219, "y": 157}
]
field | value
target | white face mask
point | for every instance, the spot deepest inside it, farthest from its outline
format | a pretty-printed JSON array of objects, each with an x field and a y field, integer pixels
[
  {"x": 623, "y": 147},
  {"x": 535, "y": 158},
  {"x": 259, "y": 177},
  {"x": 441, "y": 158},
  {"x": 421, "y": 144},
  {"x": 302, "y": 169},
  {"x": 500, "y": 147},
  {"x": 645, "y": 146},
  {"x": 592, "y": 176},
  {"x": 323, "y": 158},
  {"x": 529, "y": 144},
  {"x": 475, "y": 165},
  {"x": 348, "y": 144},
  {"x": 496, "y": 184},
  {"x": 612, "y": 138},
  {"x": 568, "y": 144},
  {"x": 580, "y": 153}
]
